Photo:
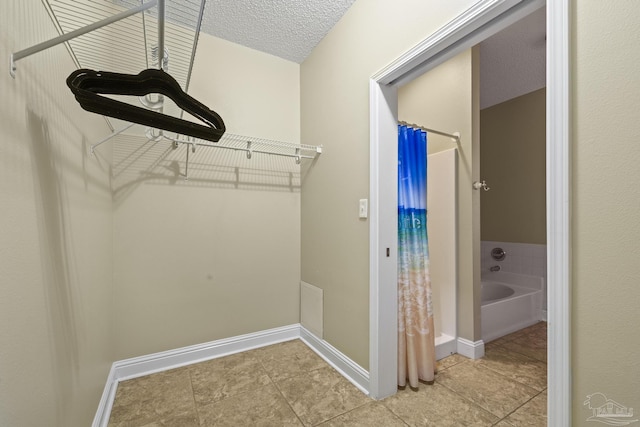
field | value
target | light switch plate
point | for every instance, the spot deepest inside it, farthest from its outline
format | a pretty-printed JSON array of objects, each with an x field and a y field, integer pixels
[{"x": 364, "y": 208}]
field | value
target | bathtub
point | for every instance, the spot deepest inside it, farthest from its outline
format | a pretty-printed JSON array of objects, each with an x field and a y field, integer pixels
[{"x": 510, "y": 302}]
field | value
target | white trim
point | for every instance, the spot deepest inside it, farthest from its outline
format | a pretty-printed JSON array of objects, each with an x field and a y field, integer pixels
[
  {"x": 558, "y": 212},
  {"x": 163, "y": 361},
  {"x": 445, "y": 346},
  {"x": 341, "y": 363},
  {"x": 157, "y": 362},
  {"x": 481, "y": 20},
  {"x": 106, "y": 401},
  {"x": 460, "y": 27},
  {"x": 471, "y": 349},
  {"x": 383, "y": 290}
]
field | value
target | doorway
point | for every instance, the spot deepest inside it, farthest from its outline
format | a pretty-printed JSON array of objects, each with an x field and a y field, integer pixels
[{"x": 481, "y": 21}]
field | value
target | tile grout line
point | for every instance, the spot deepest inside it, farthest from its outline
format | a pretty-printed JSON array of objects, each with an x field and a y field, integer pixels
[
  {"x": 398, "y": 416},
  {"x": 493, "y": 371},
  {"x": 469, "y": 400},
  {"x": 344, "y": 413},
  {"x": 533, "y": 397},
  {"x": 193, "y": 396},
  {"x": 325, "y": 366},
  {"x": 519, "y": 352},
  {"x": 514, "y": 410},
  {"x": 537, "y": 392},
  {"x": 258, "y": 388},
  {"x": 275, "y": 385}
]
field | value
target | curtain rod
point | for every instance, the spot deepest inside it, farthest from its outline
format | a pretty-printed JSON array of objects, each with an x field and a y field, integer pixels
[{"x": 455, "y": 136}]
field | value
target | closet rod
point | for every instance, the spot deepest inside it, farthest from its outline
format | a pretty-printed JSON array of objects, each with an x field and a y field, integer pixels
[
  {"x": 73, "y": 34},
  {"x": 455, "y": 136}
]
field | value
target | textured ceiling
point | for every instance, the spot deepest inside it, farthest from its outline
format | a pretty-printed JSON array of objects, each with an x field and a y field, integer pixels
[
  {"x": 289, "y": 29},
  {"x": 513, "y": 61}
]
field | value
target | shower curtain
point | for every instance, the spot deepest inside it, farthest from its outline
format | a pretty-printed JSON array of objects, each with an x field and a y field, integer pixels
[{"x": 416, "y": 345}]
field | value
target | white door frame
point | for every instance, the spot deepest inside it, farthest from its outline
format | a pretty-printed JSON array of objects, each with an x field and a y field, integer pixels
[{"x": 483, "y": 19}]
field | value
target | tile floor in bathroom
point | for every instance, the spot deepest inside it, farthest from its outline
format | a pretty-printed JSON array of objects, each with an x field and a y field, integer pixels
[{"x": 287, "y": 384}]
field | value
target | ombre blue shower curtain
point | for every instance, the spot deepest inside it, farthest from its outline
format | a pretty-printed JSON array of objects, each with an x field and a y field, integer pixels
[{"x": 416, "y": 341}]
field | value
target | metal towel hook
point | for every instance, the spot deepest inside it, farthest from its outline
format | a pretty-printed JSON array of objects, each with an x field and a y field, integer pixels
[{"x": 478, "y": 185}]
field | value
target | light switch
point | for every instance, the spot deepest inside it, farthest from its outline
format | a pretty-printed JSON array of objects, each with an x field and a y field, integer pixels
[{"x": 364, "y": 208}]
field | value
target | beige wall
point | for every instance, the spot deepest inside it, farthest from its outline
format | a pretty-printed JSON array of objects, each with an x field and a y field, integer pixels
[
  {"x": 335, "y": 113},
  {"x": 55, "y": 234},
  {"x": 513, "y": 159},
  {"x": 605, "y": 203},
  {"x": 442, "y": 99},
  {"x": 217, "y": 255}
]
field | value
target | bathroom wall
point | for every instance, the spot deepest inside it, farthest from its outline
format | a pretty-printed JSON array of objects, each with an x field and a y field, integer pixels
[
  {"x": 513, "y": 163},
  {"x": 56, "y": 341},
  {"x": 605, "y": 203},
  {"x": 335, "y": 113},
  {"x": 512, "y": 160},
  {"x": 442, "y": 99},
  {"x": 217, "y": 255}
]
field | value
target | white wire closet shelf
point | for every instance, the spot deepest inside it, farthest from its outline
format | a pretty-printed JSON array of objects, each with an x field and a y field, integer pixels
[
  {"x": 248, "y": 145},
  {"x": 251, "y": 145},
  {"x": 126, "y": 36}
]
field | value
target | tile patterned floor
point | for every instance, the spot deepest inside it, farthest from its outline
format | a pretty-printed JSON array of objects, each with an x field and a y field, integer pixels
[{"x": 287, "y": 384}]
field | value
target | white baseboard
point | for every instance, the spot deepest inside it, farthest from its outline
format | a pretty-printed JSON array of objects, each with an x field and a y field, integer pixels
[
  {"x": 446, "y": 345},
  {"x": 106, "y": 401},
  {"x": 347, "y": 367},
  {"x": 163, "y": 361},
  {"x": 470, "y": 349}
]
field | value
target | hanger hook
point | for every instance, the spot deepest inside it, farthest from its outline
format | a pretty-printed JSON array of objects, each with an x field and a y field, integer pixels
[
  {"x": 298, "y": 156},
  {"x": 249, "y": 152}
]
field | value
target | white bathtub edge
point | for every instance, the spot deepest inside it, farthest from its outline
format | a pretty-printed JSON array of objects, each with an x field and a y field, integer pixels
[
  {"x": 517, "y": 279},
  {"x": 520, "y": 310}
]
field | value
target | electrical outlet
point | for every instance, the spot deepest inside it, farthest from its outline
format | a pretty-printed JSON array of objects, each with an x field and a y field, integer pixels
[{"x": 364, "y": 208}]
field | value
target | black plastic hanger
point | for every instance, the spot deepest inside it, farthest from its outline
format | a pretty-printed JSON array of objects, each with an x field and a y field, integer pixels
[{"x": 86, "y": 85}]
